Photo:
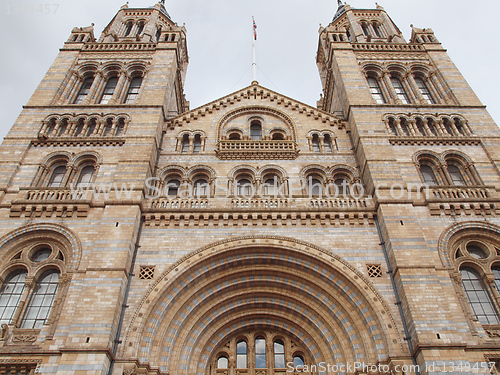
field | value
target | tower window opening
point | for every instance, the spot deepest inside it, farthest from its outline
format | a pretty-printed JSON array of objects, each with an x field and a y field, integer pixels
[
  {"x": 424, "y": 90},
  {"x": 197, "y": 144},
  {"x": 375, "y": 90},
  {"x": 128, "y": 28},
  {"x": 364, "y": 26},
  {"x": 109, "y": 90},
  {"x": 376, "y": 28},
  {"x": 400, "y": 90},
  {"x": 133, "y": 90},
  {"x": 84, "y": 90},
  {"x": 315, "y": 143},
  {"x": 255, "y": 131},
  {"x": 140, "y": 28}
]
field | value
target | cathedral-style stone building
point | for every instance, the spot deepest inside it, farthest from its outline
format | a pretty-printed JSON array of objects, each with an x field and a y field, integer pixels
[{"x": 254, "y": 235}]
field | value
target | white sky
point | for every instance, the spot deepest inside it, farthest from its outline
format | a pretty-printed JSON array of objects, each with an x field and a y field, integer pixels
[{"x": 219, "y": 42}]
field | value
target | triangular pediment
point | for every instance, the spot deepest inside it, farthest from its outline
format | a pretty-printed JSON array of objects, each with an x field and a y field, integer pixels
[{"x": 249, "y": 95}]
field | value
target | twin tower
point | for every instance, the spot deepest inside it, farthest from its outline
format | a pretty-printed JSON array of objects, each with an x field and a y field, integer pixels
[{"x": 254, "y": 235}]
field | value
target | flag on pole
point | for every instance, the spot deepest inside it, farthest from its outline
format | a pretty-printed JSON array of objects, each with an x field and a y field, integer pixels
[{"x": 254, "y": 29}]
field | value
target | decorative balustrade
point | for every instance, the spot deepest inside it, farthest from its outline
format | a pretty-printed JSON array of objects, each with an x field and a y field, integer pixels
[
  {"x": 259, "y": 203},
  {"x": 339, "y": 203},
  {"x": 249, "y": 149},
  {"x": 387, "y": 47},
  {"x": 119, "y": 46},
  {"x": 178, "y": 204},
  {"x": 459, "y": 193},
  {"x": 54, "y": 195}
]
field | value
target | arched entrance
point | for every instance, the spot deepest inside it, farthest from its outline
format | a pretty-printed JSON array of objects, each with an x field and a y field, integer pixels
[{"x": 260, "y": 287}]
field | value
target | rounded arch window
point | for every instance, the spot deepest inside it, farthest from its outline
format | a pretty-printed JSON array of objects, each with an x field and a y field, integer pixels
[
  {"x": 260, "y": 352},
  {"x": 10, "y": 295},
  {"x": 457, "y": 178},
  {"x": 328, "y": 143},
  {"x": 479, "y": 299},
  {"x": 57, "y": 176},
  {"x": 109, "y": 89},
  {"x": 241, "y": 354},
  {"x": 173, "y": 186},
  {"x": 342, "y": 184},
  {"x": 315, "y": 143},
  {"x": 256, "y": 130},
  {"x": 375, "y": 90},
  {"x": 222, "y": 362},
  {"x": 41, "y": 254},
  {"x": 298, "y": 360},
  {"x": 84, "y": 90},
  {"x": 197, "y": 144},
  {"x": 128, "y": 28},
  {"x": 279, "y": 354},
  {"x": 476, "y": 251},
  {"x": 278, "y": 136},
  {"x": 315, "y": 185},
  {"x": 244, "y": 186},
  {"x": 271, "y": 182},
  {"x": 428, "y": 175},
  {"x": 185, "y": 143},
  {"x": 234, "y": 136},
  {"x": 200, "y": 187},
  {"x": 86, "y": 175}
]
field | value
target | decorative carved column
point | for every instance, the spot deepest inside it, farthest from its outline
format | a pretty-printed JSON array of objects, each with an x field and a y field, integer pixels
[
  {"x": 116, "y": 98},
  {"x": 392, "y": 91},
  {"x": 418, "y": 97},
  {"x": 71, "y": 85}
]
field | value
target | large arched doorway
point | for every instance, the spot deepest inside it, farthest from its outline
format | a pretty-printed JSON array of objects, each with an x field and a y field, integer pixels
[{"x": 318, "y": 306}]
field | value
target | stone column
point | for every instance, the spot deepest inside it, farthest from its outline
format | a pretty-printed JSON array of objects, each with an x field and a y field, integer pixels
[{"x": 392, "y": 91}]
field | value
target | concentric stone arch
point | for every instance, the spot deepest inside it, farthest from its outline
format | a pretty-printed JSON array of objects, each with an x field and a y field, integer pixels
[{"x": 260, "y": 282}]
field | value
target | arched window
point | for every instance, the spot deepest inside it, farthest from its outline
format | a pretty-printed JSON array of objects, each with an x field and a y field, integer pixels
[
  {"x": 63, "y": 127},
  {"x": 140, "y": 28},
  {"x": 476, "y": 251},
  {"x": 342, "y": 185},
  {"x": 376, "y": 28},
  {"x": 185, "y": 144},
  {"x": 57, "y": 176},
  {"x": 375, "y": 90},
  {"x": 478, "y": 297},
  {"x": 173, "y": 187},
  {"x": 447, "y": 126},
  {"x": 255, "y": 131},
  {"x": 197, "y": 144},
  {"x": 278, "y": 136},
  {"x": 128, "y": 28},
  {"x": 86, "y": 175},
  {"x": 109, "y": 90},
  {"x": 496, "y": 273},
  {"x": 84, "y": 90},
  {"x": 400, "y": 90},
  {"x": 241, "y": 354},
  {"x": 298, "y": 361},
  {"x": 10, "y": 295},
  {"x": 41, "y": 254},
  {"x": 234, "y": 136},
  {"x": 404, "y": 126},
  {"x": 315, "y": 143},
  {"x": 92, "y": 127},
  {"x": 41, "y": 301},
  {"x": 79, "y": 127},
  {"x": 271, "y": 185},
  {"x": 431, "y": 125},
  {"x": 315, "y": 186},
  {"x": 456, "y": 176},
  {"x": 158, "y": 34},
  {"x": 121, "y": 127},
  {"x": 108, "y": 127},
  {"x": 424, "y": 90},
  {"x": 279, "y": 354},
  {"x": 460, "y": 126},
  {"x": 133, "y": 90},
  {"x": 260, "y": 352},
  {"x": 328, "y": 143},
  {"x": 222, "y": 362},
  {"x": 428, "y": 175},
  {"x": 420, "y": 126},
  {"x": 244, "y": 187},
  {"x": 392, "y": 126},
  {"x": 200, "y": 188},
  {"x": 364, "y": 26}
]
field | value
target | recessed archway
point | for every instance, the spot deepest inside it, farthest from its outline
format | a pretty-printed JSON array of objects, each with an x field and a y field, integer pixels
[{"x": 260, "y": 283}]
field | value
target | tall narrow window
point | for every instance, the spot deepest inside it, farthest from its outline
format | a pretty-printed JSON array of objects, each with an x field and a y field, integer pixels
[
  {"x": 173, "y": 187},
  {"x": 79, "y": 127},
  {"x": 456, "y": 176},
  {"x": 57, "y": 177},
  {"x": 392, "y": 126},
  {"x": 279, "y": 354},
  {"x": 424, "y": 90},
  {"x": 92, "y": 127},
  {"x": 255, "y": 131},
  {"x": 428, "y": 175},
  {"x": 133, "y": 90},
  {"x": 376, "y": 28},
  {"x": 404, "y": 126},
  {"x": 200, "y": 188},
  {"x": 420, "y": 126},
  {"x": 375, "y": 90},
  {"x": 478, "y": 297},
  {"x": 315, "y": 143},
  {"x": 400, "y": 90},
  {"x": 10, "y": 295},
  {"x": 271, "y": 185},
  {"x": 222, "y": 363},
  {"x": 342, "y": 185},
  {"x": 128, "y": 28},
  {"x": 328, "y": 143},
  {"x": 241, "y": 354},
  {"x": 298, "y": 361},
  {"x": 197, "y": 144},
  {"x": 496, "y": 273},
  {"x": 140, "y": 28},
  {"x": 244, "y": 187},
  {"x": 41, "y": 301},
  {"x": 84, "y": 90},
  {"x": 108, "y": 127},
  {"x": 260, "y": 353},
  {"x": 460, "y": 126},
  {"x": 121, "y": 127},
  {"x": 364, "y": 26},
  {"x": 315, "y": 186},
  {"x": 447, "y": 126},
  {"x": 185, "y": 144},
  {"x": 109, "y": 90},
  {"x": 63, "y": 127},
  {"x": 158, "y": 34},
  {"x": 86, "y": 175},
  {"x": 431, "y": 125}
]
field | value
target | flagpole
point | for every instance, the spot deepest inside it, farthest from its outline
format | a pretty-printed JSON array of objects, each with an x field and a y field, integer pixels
[{"x": 254, "y": 59}]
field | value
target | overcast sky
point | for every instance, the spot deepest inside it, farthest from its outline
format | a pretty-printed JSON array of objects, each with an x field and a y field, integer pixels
[{"x": 220, "y": 39}]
